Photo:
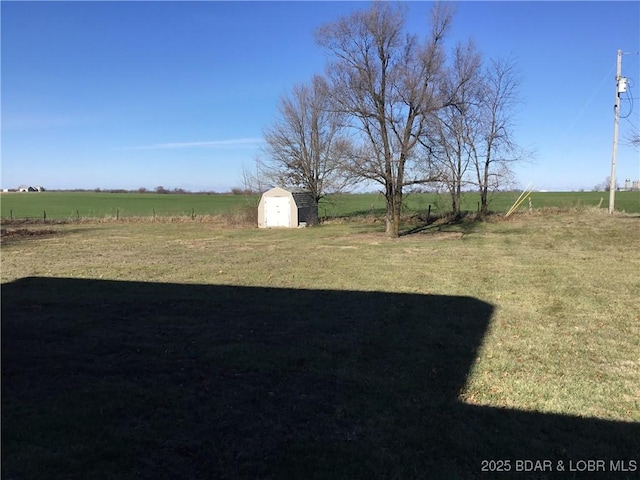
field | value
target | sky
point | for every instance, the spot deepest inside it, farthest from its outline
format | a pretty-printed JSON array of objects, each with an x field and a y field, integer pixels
[{"x": 177, "y": 94}]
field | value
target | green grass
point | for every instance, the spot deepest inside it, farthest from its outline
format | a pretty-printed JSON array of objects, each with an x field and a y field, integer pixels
[
  {"x": 65, "y": 205},
  {"x": 346, "y": 205},
  {"x": 186, "y": 350}
]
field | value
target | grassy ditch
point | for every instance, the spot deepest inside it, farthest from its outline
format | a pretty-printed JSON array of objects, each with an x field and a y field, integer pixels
[{"x": 189, "y": 350}]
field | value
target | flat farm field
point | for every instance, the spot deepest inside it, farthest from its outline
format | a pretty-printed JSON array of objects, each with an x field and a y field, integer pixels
[
  {"x": 82, "y": 205},
  {"x": 73, "y": 205},
  {"x": 187, "y": 350}
]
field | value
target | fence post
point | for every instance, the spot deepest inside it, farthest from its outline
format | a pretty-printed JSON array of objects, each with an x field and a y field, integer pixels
[
  {"x": 11, "y": 214},
  {"x": 429, "y": 214},
  {"x": 154, "y": 214},
  {"x": 45, "y": 216},
  {"x": 117, "y": 214},
  {"x": 78, "y": 214}
]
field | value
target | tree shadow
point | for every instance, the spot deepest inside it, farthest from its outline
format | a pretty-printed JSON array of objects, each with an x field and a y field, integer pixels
[
  {"x": 106, "y": 379},
  {"x": 465, "y": 223}
]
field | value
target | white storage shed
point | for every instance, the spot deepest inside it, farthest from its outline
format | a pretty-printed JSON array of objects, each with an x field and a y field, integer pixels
[{"x": 287, "y": 208}]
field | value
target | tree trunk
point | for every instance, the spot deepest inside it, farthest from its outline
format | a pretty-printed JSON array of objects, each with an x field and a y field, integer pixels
[
  {"x": 389, "y": 218},
  {"x": 484, "y": 188},
  {"x": 394, "y": 205},
  {"x": 455, "y": 202},
  {"x": 483, "y": 201},
  {"x": 396, "y": 219},
  {"x": 392, "y": 217}
]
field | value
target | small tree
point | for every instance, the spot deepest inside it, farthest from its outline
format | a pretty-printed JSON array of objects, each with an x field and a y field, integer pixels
[
  {"x": 491, "y": 141},
  {"x": 450, "y": 134},
  {"x": 255, "y": 181},
  {"x": 605, "y": 186}
]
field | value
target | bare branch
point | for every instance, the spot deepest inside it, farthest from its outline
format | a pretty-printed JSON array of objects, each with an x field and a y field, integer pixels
[
  {"x": 304, "y": 146},
  {"x": 386, "y": 83}
]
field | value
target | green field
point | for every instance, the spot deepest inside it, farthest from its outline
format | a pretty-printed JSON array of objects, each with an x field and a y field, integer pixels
[
  {"x": 187, "y": 350},
  {"x": 345, "y": 205},
  {"x": 66, "y": 205},
  {"x": 62, "y": 205}
]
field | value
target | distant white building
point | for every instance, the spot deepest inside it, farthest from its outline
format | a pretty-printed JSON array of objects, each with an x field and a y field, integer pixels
[
  {"x": 631, "y": 185},
  {"x": 24, "y": 188}
]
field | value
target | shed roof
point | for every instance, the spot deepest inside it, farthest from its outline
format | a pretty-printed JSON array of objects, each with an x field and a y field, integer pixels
[
  {"x": 299, "y": 194},
  {"x": 292, "y": 189},
  {"x": 303, "y": 199}
]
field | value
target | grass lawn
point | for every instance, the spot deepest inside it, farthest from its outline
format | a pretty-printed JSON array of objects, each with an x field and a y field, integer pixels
[{"x": 187, "y": 350}]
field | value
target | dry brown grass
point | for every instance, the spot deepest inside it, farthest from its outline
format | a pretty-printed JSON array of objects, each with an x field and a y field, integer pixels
[{"x": 561, "y": 349}]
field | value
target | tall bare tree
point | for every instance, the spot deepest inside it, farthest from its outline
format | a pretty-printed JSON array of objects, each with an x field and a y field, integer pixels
[
  {"x": 304, "y": 147},
  {"x": 387, "y": 83},
  {"x": 452, "y": 127},
  {"x": 491, "y": 139}
]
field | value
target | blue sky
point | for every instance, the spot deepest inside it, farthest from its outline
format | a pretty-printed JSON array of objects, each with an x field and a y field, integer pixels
[{"x": 142, "y": 94}]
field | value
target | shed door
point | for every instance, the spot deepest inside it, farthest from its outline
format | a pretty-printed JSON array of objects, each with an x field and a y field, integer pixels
[{"x": 277, "y": 211}]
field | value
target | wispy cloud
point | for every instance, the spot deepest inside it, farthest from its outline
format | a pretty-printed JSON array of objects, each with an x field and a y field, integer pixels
[
  {"x": 45, "y": 121},
  {"x": 227, "y": 143}
]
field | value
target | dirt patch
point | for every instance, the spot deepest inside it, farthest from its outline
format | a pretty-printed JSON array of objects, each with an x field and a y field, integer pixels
[
  {"x": 443, "y": 235},
  {"x": 6, "y": 233}
]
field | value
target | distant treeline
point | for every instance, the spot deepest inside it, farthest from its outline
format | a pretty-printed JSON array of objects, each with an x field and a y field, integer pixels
[
  {"x": 239, "y": 191},
  {"x": 160, "y": 189}
]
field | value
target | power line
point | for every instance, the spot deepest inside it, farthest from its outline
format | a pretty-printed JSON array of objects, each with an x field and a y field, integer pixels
[{"x": 629, "y": 98}]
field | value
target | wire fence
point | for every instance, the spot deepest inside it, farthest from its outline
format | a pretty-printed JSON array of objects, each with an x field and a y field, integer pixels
[
  {"x": 77, "y": 215},
  {"x": 232, "y": 216}
]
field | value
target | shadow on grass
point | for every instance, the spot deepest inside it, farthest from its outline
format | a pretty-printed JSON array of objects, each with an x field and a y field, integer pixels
[
  {"x": 104, "y": 379},
  {"x": 465, "y": 223}
]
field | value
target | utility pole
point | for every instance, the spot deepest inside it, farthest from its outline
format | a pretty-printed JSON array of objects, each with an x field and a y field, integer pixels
[{"x": 621, "y": 87}]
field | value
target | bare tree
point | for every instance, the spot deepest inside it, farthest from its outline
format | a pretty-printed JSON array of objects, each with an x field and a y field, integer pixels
[
  {"x": 255, "y": 181},
  {"x": 304, "y": 147},
  {"x": 605, "y": 186},
  {"x": 452, "y": 127},
  {"x": 493, "y": 147},
  {"x": 633, "y": 139},
  {"x": 387, "y": 83}
]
